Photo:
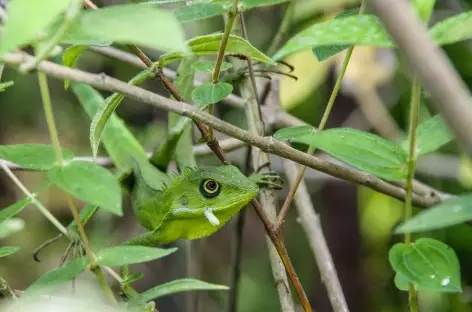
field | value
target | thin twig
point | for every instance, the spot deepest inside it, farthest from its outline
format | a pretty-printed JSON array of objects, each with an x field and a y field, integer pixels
[{"x": 283, "y": 29}]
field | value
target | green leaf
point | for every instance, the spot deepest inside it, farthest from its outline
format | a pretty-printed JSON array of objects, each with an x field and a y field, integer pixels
[
  {"x": 363, "y": 29},
  {"x": 402, "y": 282},
  {"x": 89, "y": 182},
  {"x": 85, "y": 214},
  {"x": 453, "y": 29},
  {"x": 430, "y": 136},
  {"x": 33, "y": 156},
  {"x": 8, "y": 250},
  {"x": 26, "y": 19},
  {"x": 430, "y": 264},
  {"x": 59, "y": 276},
  {"x": 138, "y": 24},
  {"x": 4, "y": 85},
  {"x": 209, "y": 66},
  {"x": 12, "y": 210},
  {"x": 210, "y": 93},
  {"x": 424, "y": 8},
  {"x": 324, "y": 52},
  {"x": 102, "y": 116},
  {"x": 447, "y": 213},
  {"x": 362, "y": 150},
  {"x": 70, "y": 57},
  {"x": 124, "y": 255},
  {"x": 198, "y": 11},
  {"x": 11, "y": 226},
  {"x": 131, "y": 278},
  {"x": 210, "y": 45},
  {"x": 244, "y": 5},
  {"x": 180, "y": 285},
  {"x": 293, "y": 132}
]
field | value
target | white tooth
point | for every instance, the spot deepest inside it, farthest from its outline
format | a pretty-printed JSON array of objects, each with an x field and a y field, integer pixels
[{"x": 208, "y": 212}]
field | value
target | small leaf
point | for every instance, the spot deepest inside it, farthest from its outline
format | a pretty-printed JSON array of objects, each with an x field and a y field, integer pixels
[
  {"x": 59, "y": 276},
  {"x": 89, "y": 182},
  {"x": 26, "y": 19},
  {"x": 198, "y": 11},
  {"x": 33, "y": 156},
  {"x": 402, "y": 282},
  {"x": 362, "y": 150},
  {"x": 8, "y": 250},
  {"x": 430, "y": 136},
  {"x": 293, "y": 132},
  {"x": 131, "y": 278},
  {"x": 4, "y": 85},
  {"x": 363, "y": 29},
  {"x": 447, "y": 213},
  {"x": 138, "y": 24},
  {"x": 324, "y": 52},
  {"x": 249, "y": 4},
  {"x": 11, "y": 226},
  {"x": 85, "y": 214},
  {"x": 209, "y": 66},
  {"x": 12, "y": 210},
  {"x": 70, "y": 57},
  {"x": 173, "y": 287},
  {"x": 100, "y": 119},
  {"x": 124, "y": 255},
  {"x": 424, "y": 8},
  {"x": 430, "y": 264},
  {"x": 210, "y": 45},
  {"x": 210, "y": 93},
  {"x": 454, "y": 29}
]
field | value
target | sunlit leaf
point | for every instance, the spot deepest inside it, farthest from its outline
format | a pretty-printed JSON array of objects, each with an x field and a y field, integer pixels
[
  {"x": 123, "y": 255},
  {"x": 359, "y": 30},
  {"x": 210, "y": 93},
  {"x": 89, "y": 182},
  {"x": 198, "y": 11},
  {"x": 293, "y": 132},
  {"x": 209, "y": 66},
  {"x": 454, "y": 29},
  {"x": 424, "y": 8},
  {"x": 32, "y": 156},
  {"x": 447, "y": 213},
  {"x": 362, "y": 150},
  {"x": 4, "y": 85},
  {"x": 210, "y": 45},
  {"x": 430, "y": 264},
  {"x": 8, "y": 250}
]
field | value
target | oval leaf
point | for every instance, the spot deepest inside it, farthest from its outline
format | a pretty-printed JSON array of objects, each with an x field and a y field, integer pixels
[
  {"x": 33, "y": 156},
  {"x": 360, "y": 29},
  {"x": 293, "y": 132},
  {"x": 209, "y": 66},
  {"x": 430, "y": 264},
  {"x": 448, "y": 213},
  {"x": 210, "y": 93},
  {"x": 402, "y": 282},
  {"x": 12, "y": 210},
  {"x": 453, "y": 29},
  {"x": 180, "y": 285},
  {"x": 59, "y": 276},
  {"x": 123, "y": 255},
  {"x": 198, "y": 11},
  {"x": 362, "y": 150},
  {"x": 8, "y": 250},
  {"x": 19, "y": 30},
  {"x": 89, "y": 182},
  {"x": 210, "y": 45}
]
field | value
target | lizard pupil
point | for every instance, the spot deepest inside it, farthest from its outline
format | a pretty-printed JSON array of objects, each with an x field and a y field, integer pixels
[{"x": 210, "y": 188}]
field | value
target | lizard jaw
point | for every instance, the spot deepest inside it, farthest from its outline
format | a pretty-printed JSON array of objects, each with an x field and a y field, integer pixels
[{"x": 208, "y": 212}]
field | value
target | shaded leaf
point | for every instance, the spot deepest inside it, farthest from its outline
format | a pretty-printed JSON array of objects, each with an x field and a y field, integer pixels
[
  {"x": 209, "y": 66},
  {"x": 26, "y": 19},
  {"x": 123, "y": 255},
  {"x": 8, "y": 250},
  {"x": 430, "y": 264},
  {"x": 362, "y": 150},
  {"x": 4, "y": 85},
  {"x": 447, "y": 213},
  {"x": 402, "y": 282},
  {"x": 33, "y": 156},
  {"x": 198, "y": 11},
  {"x": 210, "y": 45},
  {"x": 85, "y": 214},
  {"x": 173, "y": 287},
  {"x": 453, "y": 29},
  {"x": 89, "y": 182},
  {"x": 100, "y": 119},
  {"x": 12, "y": 210},
  {"x": 210, "y": 93},
  {"x": 293, "y": 132},
  {"x": 363, "y": 29},
  {"x": 70, "y": 57},
  {"x": 131, "y": 278}
]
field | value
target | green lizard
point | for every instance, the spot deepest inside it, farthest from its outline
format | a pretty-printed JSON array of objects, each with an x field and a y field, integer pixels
[{"x": 192, "y": 205}]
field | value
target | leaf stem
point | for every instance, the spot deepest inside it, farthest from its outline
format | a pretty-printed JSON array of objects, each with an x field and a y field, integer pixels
[
  {"x": 301, "y": 169},
  {"x": 414, "y": 109}
]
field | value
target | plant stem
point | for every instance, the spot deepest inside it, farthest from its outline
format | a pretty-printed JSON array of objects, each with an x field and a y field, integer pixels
[
  {"x": 44, "y": 89},
  {"x": 283, "y": 29},
  {"x": 301, "y": 169},
  {"x": 414, "y": 109}
]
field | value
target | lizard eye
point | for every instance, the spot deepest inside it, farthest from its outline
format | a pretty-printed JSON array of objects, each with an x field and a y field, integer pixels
[{"x": 210, "y": 188}]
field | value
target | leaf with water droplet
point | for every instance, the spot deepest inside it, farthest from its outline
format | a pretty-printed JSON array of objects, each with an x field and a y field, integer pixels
[
  {"x": 447, "y": 213},
  {"x": 428, "y": 263}
]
